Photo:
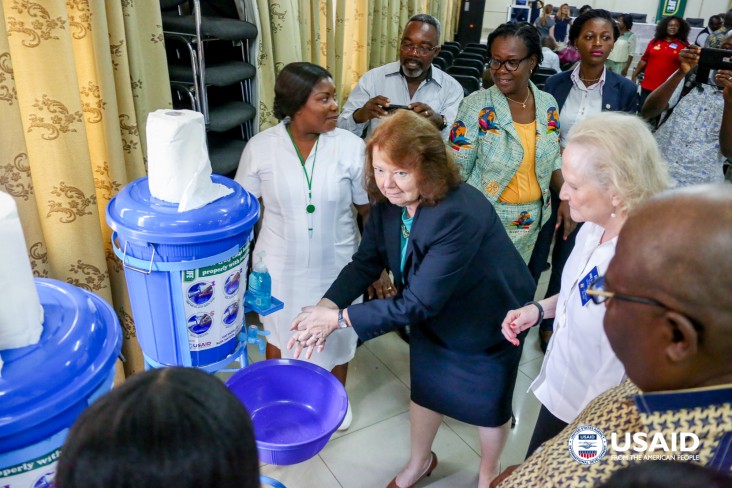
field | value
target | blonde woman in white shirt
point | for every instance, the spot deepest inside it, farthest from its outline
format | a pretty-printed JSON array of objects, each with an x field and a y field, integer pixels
[{"x": 611, "y": 163}]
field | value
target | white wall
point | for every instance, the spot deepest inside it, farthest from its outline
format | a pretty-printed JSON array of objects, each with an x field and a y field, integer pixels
[
  {"x": 494, "y": 15},
  {"x": 694, "y": 8},
  {"x": 495, "y": 10}
]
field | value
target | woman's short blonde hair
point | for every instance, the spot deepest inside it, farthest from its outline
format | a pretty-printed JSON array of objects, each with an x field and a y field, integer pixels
[{"x": 624, "y": 156}]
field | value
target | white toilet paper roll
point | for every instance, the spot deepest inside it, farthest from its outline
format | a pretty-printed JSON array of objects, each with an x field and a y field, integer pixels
[
  {"x": 21, "y": 314},
  {"x": 179, "y": 170}
]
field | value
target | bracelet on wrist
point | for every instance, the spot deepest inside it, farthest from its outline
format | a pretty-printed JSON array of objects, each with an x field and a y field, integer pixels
[{"x": 541, "y": 311}]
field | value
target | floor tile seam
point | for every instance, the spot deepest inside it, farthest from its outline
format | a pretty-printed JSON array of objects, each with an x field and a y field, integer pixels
[
  {"x": 460, "y": 437},
  {"x": 330, "y": 471},
  {"x": 349, "y": 431},
  {"x": 389, "y": 369}
]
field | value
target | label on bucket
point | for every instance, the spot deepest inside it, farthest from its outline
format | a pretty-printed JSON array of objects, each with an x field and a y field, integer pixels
[
  {"x": 36, "y": 473},
  {"x": 213, "y": 301}
]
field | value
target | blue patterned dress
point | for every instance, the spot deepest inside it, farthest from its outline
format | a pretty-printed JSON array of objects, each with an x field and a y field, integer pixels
[{"x": 689, "y": 139}]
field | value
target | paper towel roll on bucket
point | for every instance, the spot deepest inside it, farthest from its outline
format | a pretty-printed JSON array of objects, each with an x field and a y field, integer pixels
[
  {"x": 21, "y": 314},
  {"x": 179, "y": 170}
]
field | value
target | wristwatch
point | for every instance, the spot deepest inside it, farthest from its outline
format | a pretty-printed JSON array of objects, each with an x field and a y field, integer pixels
[
  {"x": 444, "y": 122},
  {"x": 341, "y": 321}
]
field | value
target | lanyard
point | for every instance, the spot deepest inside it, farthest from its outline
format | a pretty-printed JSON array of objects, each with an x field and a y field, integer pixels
[{"x": 309, "y": 208}]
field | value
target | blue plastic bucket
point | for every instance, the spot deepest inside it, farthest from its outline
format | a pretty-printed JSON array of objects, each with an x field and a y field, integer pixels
[
  {"x": 185, "y": 272},
  {"x": 45, "y": 387}
]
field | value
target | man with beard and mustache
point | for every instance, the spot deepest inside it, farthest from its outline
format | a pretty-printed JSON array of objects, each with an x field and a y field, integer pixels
[{"x": 412, "y": 82}]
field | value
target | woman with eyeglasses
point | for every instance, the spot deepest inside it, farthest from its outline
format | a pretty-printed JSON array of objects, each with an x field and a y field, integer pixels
[
  {"x": 610, "y": 165},
  {"x": 412, "y": 82},
  {"x": 506, "y": 138}
]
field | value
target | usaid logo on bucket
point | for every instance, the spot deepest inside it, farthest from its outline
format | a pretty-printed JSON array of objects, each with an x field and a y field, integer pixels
[{"x": 587, "y": 444}]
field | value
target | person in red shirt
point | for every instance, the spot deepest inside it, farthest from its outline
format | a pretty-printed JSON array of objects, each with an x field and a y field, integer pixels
[{"x": 661, "y": 58}]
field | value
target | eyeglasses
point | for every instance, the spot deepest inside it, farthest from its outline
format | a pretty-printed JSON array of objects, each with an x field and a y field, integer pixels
[
  {"x": 599, "y": 295},
  {"x": 510, "y": 64},
  {"x": 420, "y": 51}
]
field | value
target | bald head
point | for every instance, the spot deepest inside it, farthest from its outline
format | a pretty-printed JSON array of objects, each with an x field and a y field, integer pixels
[
  {"x": 682, "y": 242},
  {"x": 676, "y": 249}
]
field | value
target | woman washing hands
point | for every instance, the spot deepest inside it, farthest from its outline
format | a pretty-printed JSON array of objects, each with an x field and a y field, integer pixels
[{"x": 456, "y": 273}]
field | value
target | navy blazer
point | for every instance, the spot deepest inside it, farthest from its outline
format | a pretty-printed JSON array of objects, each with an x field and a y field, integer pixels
[
  {"x": 619, "y": 94},
  {"x": 462, "y": 273}
]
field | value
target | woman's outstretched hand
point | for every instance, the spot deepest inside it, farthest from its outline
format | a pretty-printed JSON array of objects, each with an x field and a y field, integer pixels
[
  {"x": 312, "y": 326},
  {"x": 517, "y": 321}
]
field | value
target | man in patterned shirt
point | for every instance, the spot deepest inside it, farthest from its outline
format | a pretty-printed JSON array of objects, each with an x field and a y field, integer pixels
[
  {"x": 716, "y": 38},
  {"x": 669, "y": 320}
]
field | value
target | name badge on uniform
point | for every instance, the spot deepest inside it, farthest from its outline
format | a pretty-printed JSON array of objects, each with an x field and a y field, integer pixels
[
  {"x": 673, "y": 45},
  {"x": 585, "y": 283}
]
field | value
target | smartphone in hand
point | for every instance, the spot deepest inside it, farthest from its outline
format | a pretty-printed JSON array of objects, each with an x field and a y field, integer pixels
[
  {"x": 393, "y": 107},
  {"x": 710, "y": 59},
  {"x": 715, "y": 58}
]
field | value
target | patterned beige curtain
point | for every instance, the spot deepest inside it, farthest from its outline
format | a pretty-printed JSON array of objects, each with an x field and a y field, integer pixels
[
  {"x": 388, "y": 17},
  {"x": 351, "y": 46},
  {"x": 448, "y": 12},
  {"x": 77, "y": 80},
  {"x": 330, "y": 33},
  {"x": 280, "y": 42},
  {"x": 386, "y": 20}
]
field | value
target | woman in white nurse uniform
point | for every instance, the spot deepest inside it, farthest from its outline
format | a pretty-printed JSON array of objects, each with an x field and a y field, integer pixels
[{"x": 307, "y": 173}]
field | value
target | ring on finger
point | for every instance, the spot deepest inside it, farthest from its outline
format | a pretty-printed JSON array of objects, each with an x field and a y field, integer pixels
[{"x": 426, "y": 113}]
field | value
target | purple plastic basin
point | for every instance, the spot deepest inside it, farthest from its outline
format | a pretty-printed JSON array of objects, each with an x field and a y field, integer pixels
[{"x": 295, "y": 407}]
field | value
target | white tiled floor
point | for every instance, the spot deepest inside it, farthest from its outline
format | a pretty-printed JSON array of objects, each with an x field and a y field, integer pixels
[{"x": 376, "y": 446}]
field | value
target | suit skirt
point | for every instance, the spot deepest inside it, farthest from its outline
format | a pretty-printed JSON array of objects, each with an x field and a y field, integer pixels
[{"x": 475, "y": 388}]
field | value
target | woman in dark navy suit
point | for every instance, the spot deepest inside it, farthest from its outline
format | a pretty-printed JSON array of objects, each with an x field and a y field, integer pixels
[{"x": 457, "y": 274}]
